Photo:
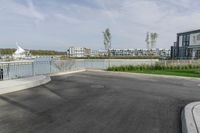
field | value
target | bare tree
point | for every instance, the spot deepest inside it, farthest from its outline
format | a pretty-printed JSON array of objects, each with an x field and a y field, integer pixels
[
  {"x": 148, "y": 40},
  {"x": 151, "y": 39},
  {"x": 107, "y": 40}
]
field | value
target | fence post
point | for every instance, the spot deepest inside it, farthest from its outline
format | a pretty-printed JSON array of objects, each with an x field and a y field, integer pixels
[
  {"x": 8, "y": 70},
  {"x": 1, "y": 73},
  {"x": 33, "y": 69},
  {"x": 63, "y": 65},
  {"x": 109, "y": 63},
  {"x": 50, "y": 63}
]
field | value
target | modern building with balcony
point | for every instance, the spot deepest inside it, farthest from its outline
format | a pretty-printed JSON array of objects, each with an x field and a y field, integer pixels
[{"x": 187, "y": 45}]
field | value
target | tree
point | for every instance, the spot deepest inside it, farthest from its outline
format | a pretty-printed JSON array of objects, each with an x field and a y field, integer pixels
[
  {"x": 151, "y": 39},
  {"x": 107, "y": 40},
  {"x": 148, "y": 40}
]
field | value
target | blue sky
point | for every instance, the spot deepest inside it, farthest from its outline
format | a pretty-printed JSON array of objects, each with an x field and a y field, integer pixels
[{"x": 58, "y": 24}]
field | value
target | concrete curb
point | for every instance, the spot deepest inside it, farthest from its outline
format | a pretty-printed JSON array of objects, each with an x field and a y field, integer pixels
[
  {"x": 9, "y": 86},
  {"x": 189, "y": 119},
  {"x": 69, "y": 72},
  {"x": 96, "y": 70},
  {"x": 22, "y": 84}
]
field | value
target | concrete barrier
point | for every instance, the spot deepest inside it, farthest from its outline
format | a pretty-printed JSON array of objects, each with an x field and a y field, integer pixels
[{"x": 190, "y": 118}]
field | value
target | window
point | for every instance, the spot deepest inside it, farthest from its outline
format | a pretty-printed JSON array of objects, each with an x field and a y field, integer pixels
[{"x": 198, "y": 37}]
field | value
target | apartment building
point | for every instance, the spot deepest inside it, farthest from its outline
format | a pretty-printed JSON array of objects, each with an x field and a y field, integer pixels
[
  {"x": 187, "y": 45},
  {"x": 87, "y": 52},
  {"x": 78, "y": 52}
]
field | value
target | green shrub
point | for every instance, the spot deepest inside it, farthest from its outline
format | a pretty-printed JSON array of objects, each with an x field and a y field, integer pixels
[
  {"x": 157, "y": 66},
  {"x": 190, "y": 66}
]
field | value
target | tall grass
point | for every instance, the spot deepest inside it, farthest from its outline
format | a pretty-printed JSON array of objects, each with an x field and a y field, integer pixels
[{"x": 154, "y": 67}]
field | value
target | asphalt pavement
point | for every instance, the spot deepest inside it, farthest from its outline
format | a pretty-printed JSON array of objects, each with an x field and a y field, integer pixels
[{"x": 99, "y": 102}]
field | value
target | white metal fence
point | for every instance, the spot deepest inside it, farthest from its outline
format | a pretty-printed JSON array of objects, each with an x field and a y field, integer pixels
[{"x": 13, "y": 70}]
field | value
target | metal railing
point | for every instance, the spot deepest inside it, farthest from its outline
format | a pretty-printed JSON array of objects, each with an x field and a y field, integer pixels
[{"x": 14, "y": 70}]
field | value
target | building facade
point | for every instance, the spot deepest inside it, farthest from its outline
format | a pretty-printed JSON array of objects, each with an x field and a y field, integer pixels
[
  {"x": 79, "y": 52},
  {"x": 163, "y": 53},
  {"x": 87, "y": 52},
  {"x": 187, "y": 45},
  {"x": 75, "y": 52}
]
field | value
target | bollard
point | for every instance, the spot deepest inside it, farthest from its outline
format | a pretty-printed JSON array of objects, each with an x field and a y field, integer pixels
[{"x": 1, "y": 74}]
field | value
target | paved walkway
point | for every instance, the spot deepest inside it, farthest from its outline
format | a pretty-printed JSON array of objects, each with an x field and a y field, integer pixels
[{"x": 9, "y": 86}]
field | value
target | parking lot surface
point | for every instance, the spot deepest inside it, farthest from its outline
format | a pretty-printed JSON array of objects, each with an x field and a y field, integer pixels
[{"x": 99, "y": 102}]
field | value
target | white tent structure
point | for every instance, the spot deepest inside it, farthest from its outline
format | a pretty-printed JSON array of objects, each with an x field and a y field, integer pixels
[{"x": 19, "y": 53}]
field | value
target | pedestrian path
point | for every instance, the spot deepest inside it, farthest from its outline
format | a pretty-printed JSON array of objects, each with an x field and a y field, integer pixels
[{"x": 8, "y": 86}]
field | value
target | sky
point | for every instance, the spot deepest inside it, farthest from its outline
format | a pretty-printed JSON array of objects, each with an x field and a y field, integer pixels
[{"x": 59, "y": 24}]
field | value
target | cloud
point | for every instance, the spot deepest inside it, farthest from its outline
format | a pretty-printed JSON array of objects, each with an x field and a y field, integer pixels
[
  {"x": 82, "y": 21},
  {"x": 33, "y": 12},
  {"x": 27, "y": 9},
  {"x": 67, "y": 19}
]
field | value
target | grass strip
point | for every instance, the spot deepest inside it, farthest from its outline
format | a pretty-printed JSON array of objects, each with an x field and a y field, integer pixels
[{"x": 183, "y": 70}]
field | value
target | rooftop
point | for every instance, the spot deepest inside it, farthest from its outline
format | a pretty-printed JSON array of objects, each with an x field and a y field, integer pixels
[{"x": 189, "y": 32}]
